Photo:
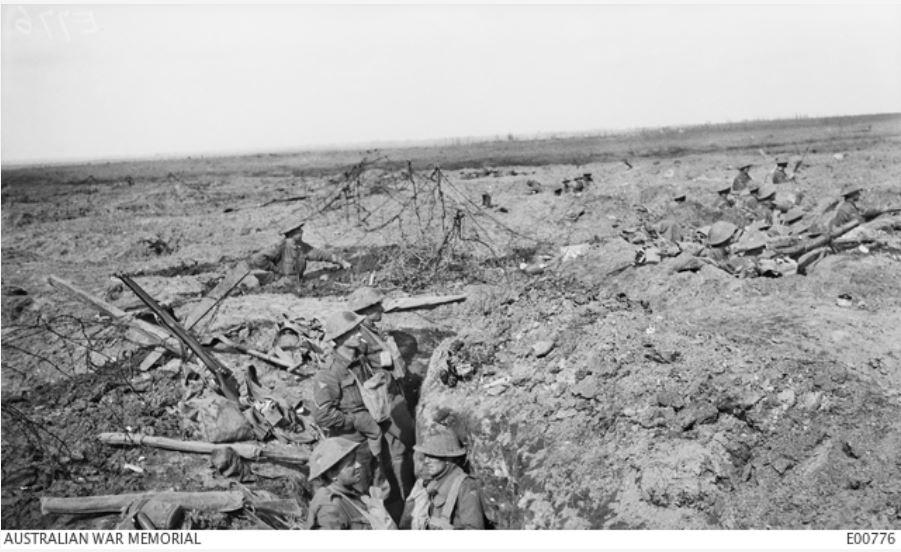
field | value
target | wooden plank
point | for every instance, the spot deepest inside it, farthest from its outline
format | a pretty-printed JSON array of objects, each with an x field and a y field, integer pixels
[
  {"x": 420, "y": 302},
  {"x": 219, "y": 501},
  {"x": 203, "y": 307}
]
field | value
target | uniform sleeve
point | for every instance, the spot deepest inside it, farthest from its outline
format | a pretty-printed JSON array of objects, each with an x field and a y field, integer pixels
[
  {"x": 469, "y": 513},
  {"x": 331, "y": 516},
  {"x": 271, "y": 254},
  {"x": 843, "y": 215},
  {"x": 316, "y": 254},
  {"x": 326, "y": 396}
]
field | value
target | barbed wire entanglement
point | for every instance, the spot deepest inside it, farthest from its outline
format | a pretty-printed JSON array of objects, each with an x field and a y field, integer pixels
[{"x": 430, "y": 221}]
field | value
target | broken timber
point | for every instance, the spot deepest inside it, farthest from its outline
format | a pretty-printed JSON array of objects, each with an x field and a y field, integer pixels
[
  {"x": 249, "y": 451},
  {"x": 204, "y": 306},
  {"x": 419, "y": 302},
  {"x": 219, "y": 501}
]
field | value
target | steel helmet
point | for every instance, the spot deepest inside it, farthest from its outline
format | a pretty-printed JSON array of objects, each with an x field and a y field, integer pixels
[
  {"x": 341, "y": 322},
  {"x": 364, "y": 297},
  {"x": 766, "y": 191},
  {"x": 678, "y": 194},
  {"x": 851, "y": 189},
  {"x": 723, "y": 187},
  {"x": 294, "y": 230},
  {"x": 328, "y": 453},
  {"x": 721, "y": 232},
  {"x": 441, "y": 444}
]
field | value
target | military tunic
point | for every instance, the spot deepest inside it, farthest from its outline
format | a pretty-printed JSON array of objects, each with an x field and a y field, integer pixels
[
  {"x": 741, "y": 181},
  {"x": 289, "y": 257},
  {"x": 337, "y": 507},
  {"x": 467, "y": 511},
  {"x": 845, "y": 213}
]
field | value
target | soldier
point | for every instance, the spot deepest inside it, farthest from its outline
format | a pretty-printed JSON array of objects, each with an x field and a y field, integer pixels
[
  {"x": 778, "y": 175},
  {"x": 444, "y": 497},
  {"x": 340, "y": 408},
  {"x": 289, "y": 257},
  {"x": 742, "y": 178},
  {"x": 400, "y": 435},
  {"x": 669, "y": 227},
  {"x": 849, "y": 210},
  {"x": 765, "y": 208},
  {"x": 337, "y": 504},
  {"x": 724, "y": 198},
  {"x": 719, "y": 238}
]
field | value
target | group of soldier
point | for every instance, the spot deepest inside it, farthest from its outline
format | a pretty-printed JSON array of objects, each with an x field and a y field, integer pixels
[
  {"x": 368, "y": 461},
  {"x": 371, "y": 451},
  {"x": 760, "y": 223}
]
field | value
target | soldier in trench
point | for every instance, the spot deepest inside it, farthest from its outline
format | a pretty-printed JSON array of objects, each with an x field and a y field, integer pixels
[
  {"x": 445, "y": 496},
  {"x": 357, "y": 369}
]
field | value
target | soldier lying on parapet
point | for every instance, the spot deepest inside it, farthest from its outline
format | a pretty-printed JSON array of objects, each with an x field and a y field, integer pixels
[
  {"x": 849, "y": 210},
  {"x": 289, "y": 257}
]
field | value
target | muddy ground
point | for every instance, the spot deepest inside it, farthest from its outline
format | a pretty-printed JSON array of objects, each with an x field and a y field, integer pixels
[{"x": 668, "y": 400}]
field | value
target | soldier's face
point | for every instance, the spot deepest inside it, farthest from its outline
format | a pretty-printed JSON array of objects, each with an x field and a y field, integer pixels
[
  {"x": 349, "y": 471},
  {"x": 433, "y": 465}
]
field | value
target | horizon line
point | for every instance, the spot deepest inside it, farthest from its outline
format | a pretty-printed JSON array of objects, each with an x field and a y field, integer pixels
[{"x": 410, "y": 143}]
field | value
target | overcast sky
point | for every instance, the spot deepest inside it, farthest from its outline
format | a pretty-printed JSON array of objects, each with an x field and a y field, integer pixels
[{"x": 93, "y": 82}]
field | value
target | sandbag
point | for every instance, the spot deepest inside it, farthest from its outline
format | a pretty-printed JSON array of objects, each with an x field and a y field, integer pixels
[{"x": 222, "y": 422}]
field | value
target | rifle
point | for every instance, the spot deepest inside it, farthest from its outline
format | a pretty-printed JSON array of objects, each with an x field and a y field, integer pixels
[
  {"x": 224, "y": 378},
  {"x": 880, "y": 212},
  {"x": 823, "y": 240},
  {"x": 801, "y": 162}
]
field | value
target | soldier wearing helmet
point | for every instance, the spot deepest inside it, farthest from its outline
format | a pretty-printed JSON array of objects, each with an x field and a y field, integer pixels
[
  {"x": 765, "y": 207},
  {"x": 778, "y": 176},
  {"x": 288, "y": 258},
  {"x": 400, "y": 434},
  {"x": 741, "y": 179},
  {"x": 336, "y": 504},
  {"x": 340, "y": 409},
  {"x": 719, "y": 237},
  {"x": 724, "y": 198},
  {"x": 445, "y": 496},
  {"x": 849, "y": 209}
]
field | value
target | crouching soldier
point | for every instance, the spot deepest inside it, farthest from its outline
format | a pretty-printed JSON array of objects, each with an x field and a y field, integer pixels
[
  {"x": 338, "y": 503},
  {"x": 444, "y": 497},
  {"x": 288, "y": 258}
]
